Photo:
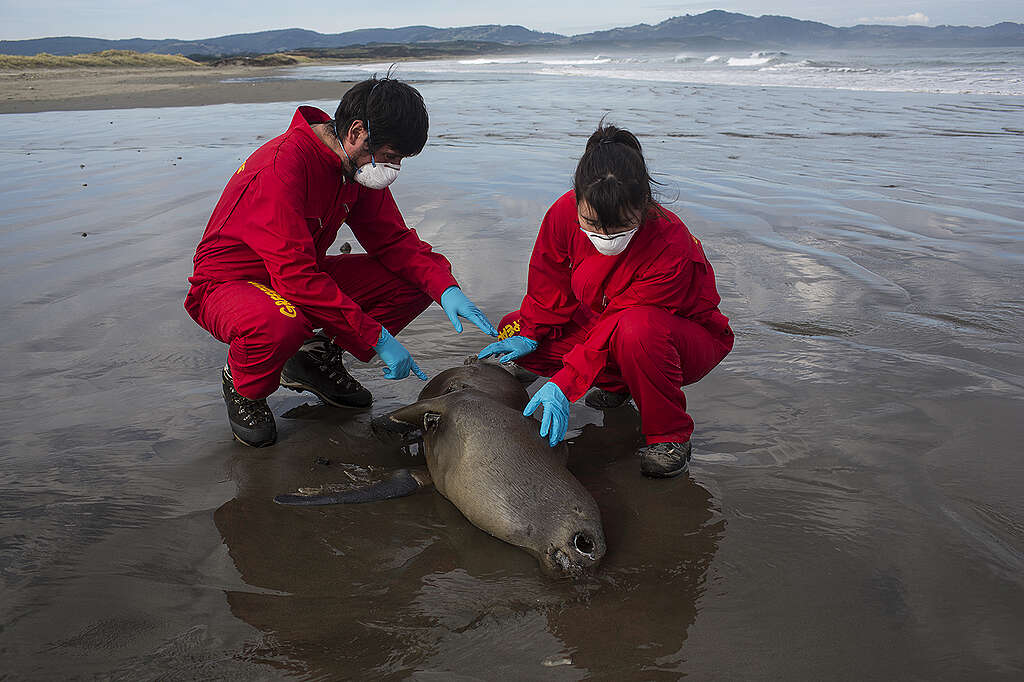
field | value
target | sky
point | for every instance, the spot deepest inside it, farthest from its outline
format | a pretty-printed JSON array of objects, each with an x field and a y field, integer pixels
[{"x": 194, "y": 19}]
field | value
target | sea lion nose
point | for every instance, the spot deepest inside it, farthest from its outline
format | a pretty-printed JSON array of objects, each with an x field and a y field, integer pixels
[{"x": 584, "y": 544}]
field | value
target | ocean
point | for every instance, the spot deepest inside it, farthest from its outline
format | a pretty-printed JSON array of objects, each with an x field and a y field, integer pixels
[
  {"x": 854, "y": 504},
  {"x": 978, "y": 71}
]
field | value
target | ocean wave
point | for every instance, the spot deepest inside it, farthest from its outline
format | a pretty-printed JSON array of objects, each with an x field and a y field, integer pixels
[
  {"x": 802, "y": 77},
  {"x": 492, "y": 61},
  {"x": 757, "y": 59},
  {"x": 811, "y": 65}
]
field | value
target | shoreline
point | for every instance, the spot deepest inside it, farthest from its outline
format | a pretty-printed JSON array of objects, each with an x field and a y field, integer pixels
[{"x": 25, "y": 91}]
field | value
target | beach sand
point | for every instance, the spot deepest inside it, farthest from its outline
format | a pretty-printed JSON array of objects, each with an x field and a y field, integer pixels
[
  {"x": 853, "y": 508},
  {"x": 81, "y": 89}
]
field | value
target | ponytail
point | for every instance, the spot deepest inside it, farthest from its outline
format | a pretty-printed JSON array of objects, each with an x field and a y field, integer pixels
[{"x": 612, "y": 176}]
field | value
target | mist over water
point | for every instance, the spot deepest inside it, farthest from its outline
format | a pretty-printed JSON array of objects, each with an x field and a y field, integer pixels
[{"x": 854, "y": 507}]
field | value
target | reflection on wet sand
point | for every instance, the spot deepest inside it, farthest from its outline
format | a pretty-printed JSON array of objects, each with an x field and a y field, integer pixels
[
  {"x": 390, "y": 588},
  {"x": 662, "y": 536},
  {"x": 861, "y": 442}
]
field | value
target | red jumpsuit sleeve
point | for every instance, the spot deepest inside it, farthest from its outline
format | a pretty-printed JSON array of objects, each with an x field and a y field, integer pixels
[
  {"x": 549, "y": 302},
  {"x": 669, "y": 285},
  {"x": 278, "y": 232},
  {"x": 378, "y": 225}
]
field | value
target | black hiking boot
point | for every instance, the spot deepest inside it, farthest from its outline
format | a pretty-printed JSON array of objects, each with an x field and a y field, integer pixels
[
  {"x": 251, "y": 421},
  {"x": 665, "y": 460},
  {"x": 318, "y": 368},
  {"x": 600, "y": 399}
]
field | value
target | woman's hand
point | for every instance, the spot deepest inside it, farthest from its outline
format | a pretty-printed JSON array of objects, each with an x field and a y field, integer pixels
[
  {"x": 556, "y": 412},
  {"x": 513, "y": 347}
]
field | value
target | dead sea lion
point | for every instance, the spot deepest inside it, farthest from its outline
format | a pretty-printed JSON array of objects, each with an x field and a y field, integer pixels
[{"x": 491, "y": 463}]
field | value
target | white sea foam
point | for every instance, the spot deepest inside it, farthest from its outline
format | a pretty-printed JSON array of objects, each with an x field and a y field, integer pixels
[
  {"x": 748, "y": 61},
  {"x": 802, "y": 64},
  {"x": 480, "y": 61},
  {"x": 755, "y": 59},
  {"x": 485, "y": 61}
]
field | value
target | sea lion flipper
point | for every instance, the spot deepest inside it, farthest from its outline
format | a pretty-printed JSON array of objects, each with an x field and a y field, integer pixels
[
  {"x": 416, "y": 414},
  {"x": 400, "y": 483}
]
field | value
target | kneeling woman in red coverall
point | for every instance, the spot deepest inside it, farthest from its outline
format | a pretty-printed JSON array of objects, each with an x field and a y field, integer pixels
[{"x": 620, "y": 296}]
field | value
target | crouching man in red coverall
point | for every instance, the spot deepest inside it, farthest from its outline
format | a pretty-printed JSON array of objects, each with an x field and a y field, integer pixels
[
  {"x": 620, "y": 296},
  {"x": 263, "y": 281}
]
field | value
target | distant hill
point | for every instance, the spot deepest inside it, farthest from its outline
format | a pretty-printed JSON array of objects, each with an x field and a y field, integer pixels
[
  {"x": 712, "y": 29},
  {"x": 265, "y": 42},
  {"x": 777, "y": 31}
]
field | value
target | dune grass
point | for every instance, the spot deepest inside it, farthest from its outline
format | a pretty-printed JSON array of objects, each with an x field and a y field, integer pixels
[
  {"x": 106, "y": 58},
  {"x": 275, "y": 59}
]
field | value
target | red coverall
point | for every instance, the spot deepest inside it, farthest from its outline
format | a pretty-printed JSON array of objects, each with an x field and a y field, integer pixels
[
  {"x": 645, "y": 321},
  {"x": 263, "y": 280}
]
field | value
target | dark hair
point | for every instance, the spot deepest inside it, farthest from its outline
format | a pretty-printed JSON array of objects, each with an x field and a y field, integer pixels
[
  {"x": 392, "y": 111},
  {"x": 612, "y": 176}
]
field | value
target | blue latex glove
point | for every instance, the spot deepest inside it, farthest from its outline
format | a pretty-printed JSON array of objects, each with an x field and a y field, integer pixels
[
  {"x": 556, "y": 412},
  {"x": 454, "y": 303},
  {"x": 396, "y": 357},
  {"x": 513, "y": 347}
]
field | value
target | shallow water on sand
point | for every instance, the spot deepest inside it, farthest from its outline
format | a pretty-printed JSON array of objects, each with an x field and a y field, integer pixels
[{"x": 854, "y": 507}]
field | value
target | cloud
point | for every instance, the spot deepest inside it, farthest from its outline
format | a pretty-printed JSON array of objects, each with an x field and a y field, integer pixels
[{"x": 916, "y": 19}]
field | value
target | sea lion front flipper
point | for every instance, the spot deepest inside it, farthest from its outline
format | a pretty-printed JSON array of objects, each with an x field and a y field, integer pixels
[
  {"x": 415, "y": 415},
  {"x": 385, "y": 427},
  {"x": 400, "y": 483}
]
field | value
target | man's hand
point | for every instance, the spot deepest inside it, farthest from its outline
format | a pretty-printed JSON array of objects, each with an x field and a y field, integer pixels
[
  {"x": 396, "y": 357},
  {"x": 455, "y": 304},
  {"x": 556, "y": 412}
]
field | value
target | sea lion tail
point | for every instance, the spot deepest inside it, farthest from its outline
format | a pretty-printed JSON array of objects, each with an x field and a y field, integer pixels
[{"x": 400, "y": 483}]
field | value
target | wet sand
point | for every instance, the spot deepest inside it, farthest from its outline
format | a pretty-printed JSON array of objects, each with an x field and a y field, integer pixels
[
  {"x": 854, "y": 506},
  {"x": 82, "y": 89}
]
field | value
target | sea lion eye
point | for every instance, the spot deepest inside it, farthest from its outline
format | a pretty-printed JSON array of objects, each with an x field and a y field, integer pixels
[
  {"x": 583, "y": 543},
  {"x": 430, "y": 421}
]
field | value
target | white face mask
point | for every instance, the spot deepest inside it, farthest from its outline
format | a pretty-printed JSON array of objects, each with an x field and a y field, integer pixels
[
  {"x": 613, "y": 244},
  {"x": 373, "y": 175},
  {"x": 377, "y": 175}
]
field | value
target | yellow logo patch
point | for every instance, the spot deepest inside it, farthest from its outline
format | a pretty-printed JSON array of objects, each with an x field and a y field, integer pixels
[
  {"x": 284, "y": 307},
  {"x": 240, "y": 168},
  {"x": 509, "y": 330}
]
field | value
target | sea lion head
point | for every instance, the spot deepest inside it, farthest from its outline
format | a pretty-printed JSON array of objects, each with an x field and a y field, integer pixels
[
  {"x": 493, "y": 381},
  {"x": 577, "y": 549}
]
